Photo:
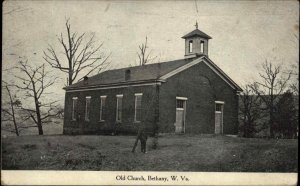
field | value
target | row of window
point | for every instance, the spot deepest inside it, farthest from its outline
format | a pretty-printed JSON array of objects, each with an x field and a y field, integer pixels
[
  {"x": 119, "y": 103},
  {"x": 191, "y": 46}
]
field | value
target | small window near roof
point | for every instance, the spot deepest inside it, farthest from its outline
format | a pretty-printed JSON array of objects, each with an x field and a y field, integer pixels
[{"x": 127, "y": 74}]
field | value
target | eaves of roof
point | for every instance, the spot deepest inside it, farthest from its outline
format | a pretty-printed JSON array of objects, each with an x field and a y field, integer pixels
[
  {"x": 128, "y": 83},
  {"x": 197, "y": 32}
]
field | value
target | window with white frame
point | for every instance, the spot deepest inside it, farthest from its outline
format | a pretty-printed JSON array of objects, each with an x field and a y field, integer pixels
[
  {"x": 219, "y": 106},
  {"x": 181, "y": 103},
  {"x": 102, "y": 107},
  {"x": 74, "y": 107},
  {"x": 202, "y": 46},
  {"x": 87, "y": 108},
  {"x": 138, "y": 107},
  {"x": 119, "y": 108},
  {"x": 190, "y": 46}
]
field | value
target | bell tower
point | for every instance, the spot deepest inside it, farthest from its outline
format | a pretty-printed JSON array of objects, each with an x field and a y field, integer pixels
[{"x": 196, "y": 43}]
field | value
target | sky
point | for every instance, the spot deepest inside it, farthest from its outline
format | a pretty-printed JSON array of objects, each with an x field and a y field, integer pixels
[{"x": 244, "y": 33}]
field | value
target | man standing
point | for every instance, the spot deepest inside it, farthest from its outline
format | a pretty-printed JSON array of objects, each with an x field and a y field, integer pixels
[{"x": 142, "y": 136}]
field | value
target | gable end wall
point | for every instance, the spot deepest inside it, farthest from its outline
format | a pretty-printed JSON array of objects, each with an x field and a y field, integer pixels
[{"x": 202, "y": 87}]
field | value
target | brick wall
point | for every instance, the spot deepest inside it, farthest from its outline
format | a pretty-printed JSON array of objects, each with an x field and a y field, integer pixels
[
  {"x": 202, "y": 87},
  {"x": 199, "y": 84},
  {"x": 109, "y": 125}
]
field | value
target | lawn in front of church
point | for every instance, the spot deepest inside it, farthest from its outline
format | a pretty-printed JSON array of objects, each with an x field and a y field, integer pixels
[{"x": 174, "y": 153}]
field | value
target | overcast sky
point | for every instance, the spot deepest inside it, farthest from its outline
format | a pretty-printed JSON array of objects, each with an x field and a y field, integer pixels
[{"x": 245, "y": 33}]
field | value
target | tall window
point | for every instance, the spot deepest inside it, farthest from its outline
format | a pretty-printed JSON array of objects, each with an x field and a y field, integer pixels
[
  {"x": 119, "y": 108},
  {"x": 74, "y": 108},
  {"x": 102, "y": 107},
  {"x": 202, "y": 46},
  {"x": 87, "y": 108},
  {"x": 138, "y": 107},
  {"x": 190, "y": 46}
]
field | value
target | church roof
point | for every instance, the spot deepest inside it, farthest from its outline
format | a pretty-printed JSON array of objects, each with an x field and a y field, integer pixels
[
  {"x": 137, "y": 74},
  {"x": 197, "y": 32},
  {"x": 147, "y": 73}
]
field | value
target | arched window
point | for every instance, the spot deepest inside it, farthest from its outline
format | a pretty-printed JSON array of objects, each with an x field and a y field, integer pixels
[
  {"x": 190, "y": 46},
  {"x": 202, "y": 46},
  {"x": 127, "y": 75}
]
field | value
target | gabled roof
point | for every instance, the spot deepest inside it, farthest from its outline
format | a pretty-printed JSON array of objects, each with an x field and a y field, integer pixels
[
  {"x": 197, "y": 32},
  {"x": 211, "y": 65},
  {"x": 137, "y": 74},
  {"x": 149, "y": 73}
]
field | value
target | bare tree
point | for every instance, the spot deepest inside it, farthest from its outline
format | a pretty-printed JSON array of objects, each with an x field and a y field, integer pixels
[
  {"x": 286, "y": 119},
  {"x": 250, "y": 112},
  {"x": 143, "y": 54},
  {"x": 35, "y": 82},
  {"x": 272, "y": 84},
  {"x": 81, "y": 56},
  {"x": 8, "y": 113},
  {"x": 295, "y": 78},
  {"x": 12, "y": 119}
]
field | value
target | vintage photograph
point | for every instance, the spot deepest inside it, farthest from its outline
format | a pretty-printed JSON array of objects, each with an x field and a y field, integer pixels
[{"x": 175, "y": 86}]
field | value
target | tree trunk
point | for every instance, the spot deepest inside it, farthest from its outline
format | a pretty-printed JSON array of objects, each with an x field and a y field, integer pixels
[
  {"x": 15, "y": 122},
  {"x": 39, "y": 121},
  {"x": 14, "y": 119},
  {"x": 13, "y": 111},
  {"x": 272, "y": 113},
  {"x": 38, "y": 114},
  {"x": 70, "y": 78}
]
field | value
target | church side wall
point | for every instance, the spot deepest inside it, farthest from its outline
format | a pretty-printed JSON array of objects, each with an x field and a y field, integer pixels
[{"x": 94, "y": 126}]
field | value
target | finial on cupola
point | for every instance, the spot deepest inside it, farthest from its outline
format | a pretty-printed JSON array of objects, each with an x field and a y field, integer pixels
[{"x": 196, "y": 25}]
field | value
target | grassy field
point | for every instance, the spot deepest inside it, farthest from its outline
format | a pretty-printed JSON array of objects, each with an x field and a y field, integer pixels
[{"x": 174, "y": 153}]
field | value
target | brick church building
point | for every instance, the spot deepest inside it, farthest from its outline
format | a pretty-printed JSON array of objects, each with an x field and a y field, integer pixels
[{"x": 189, "y": 95}]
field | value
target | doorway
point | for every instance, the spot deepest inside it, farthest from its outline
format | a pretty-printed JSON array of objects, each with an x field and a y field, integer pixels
[
  {"x": 180, "y": 122},
  {"x": 219, "y": 109}
]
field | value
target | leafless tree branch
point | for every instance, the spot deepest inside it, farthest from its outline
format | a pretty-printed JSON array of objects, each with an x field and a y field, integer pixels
[
  {"x": 12, "y": 104},
  {"x": 143, "y": 54},
  {"x": 271, "y": 86},
  {"x": 36, "y": 81},
  {"x": 81, "y": 57}
]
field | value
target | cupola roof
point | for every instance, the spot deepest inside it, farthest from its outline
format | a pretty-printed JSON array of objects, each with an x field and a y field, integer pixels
[{"x": 197, "y": 32}]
